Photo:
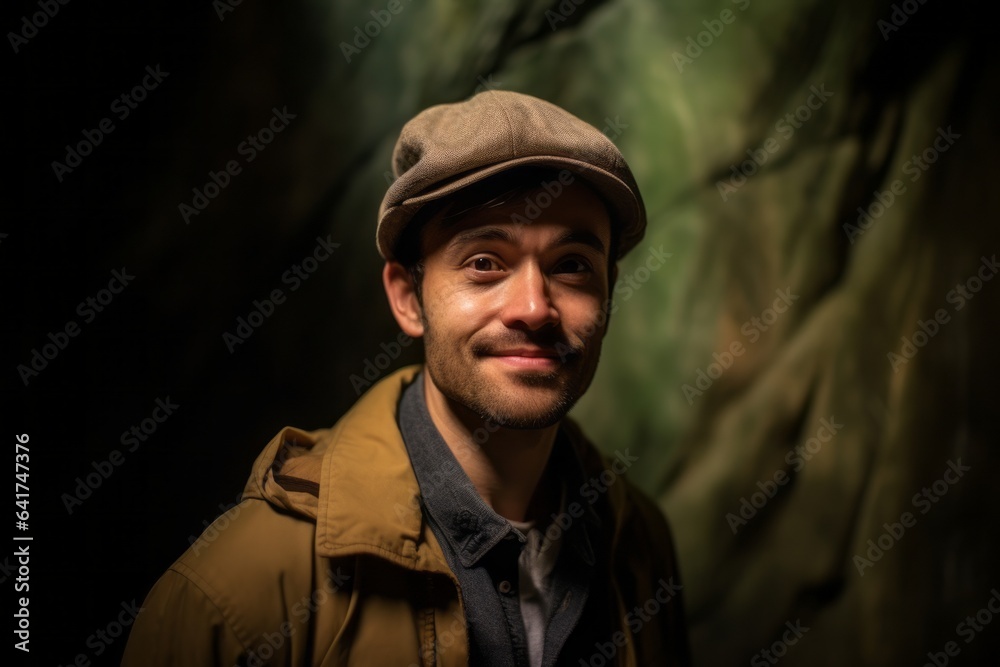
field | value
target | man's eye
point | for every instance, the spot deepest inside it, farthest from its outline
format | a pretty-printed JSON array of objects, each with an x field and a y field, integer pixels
[
  {"x": 484, "y": 264},
  {"x": 572, "y": 265}
]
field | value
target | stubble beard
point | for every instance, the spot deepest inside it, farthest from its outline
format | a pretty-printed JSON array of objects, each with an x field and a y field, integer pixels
[{"x": 510, "y": 399}]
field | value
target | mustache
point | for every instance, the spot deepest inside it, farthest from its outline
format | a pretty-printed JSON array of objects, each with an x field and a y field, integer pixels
[{"x": 549, "y": 340}]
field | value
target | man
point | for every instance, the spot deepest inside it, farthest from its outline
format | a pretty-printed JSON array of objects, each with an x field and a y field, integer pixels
[{"x": 454, "y": 516}]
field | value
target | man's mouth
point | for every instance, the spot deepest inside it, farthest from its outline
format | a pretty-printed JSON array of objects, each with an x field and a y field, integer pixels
[
  {"x": 528, "y": 357},
  {"x": 527, "y": 351}
]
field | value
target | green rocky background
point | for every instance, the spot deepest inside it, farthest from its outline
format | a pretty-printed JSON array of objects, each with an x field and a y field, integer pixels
[{"x": 691, "y": 91}]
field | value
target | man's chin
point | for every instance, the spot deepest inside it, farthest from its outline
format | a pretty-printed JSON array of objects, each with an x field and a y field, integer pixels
[
  {"x": 509, "y": 395},
  {"x": 536, "y": 381},
  {"x": 529, "y": 417},
  {"x": 529, "y": 400}
]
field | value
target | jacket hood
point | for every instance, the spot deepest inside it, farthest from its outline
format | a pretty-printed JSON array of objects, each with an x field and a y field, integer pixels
[{"x": 353, "y": 480}]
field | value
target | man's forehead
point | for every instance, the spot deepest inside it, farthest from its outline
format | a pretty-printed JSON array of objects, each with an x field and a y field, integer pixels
[
  {"x": 514, "y": 234},
  {"x": 575, "y": 218}
]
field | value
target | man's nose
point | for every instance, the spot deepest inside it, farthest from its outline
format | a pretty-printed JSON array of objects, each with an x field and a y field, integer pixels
[{"x": 528, "y": 302}]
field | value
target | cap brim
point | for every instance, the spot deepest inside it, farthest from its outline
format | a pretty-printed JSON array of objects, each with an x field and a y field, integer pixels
[{"x": 626, "y": 210}]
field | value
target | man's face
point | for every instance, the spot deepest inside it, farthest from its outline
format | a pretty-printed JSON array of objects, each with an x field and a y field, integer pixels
[{"x": 513, "y": 313}]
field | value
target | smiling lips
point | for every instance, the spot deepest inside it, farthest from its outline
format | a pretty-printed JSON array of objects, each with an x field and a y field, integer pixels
[{"x": 528, "y": 357}]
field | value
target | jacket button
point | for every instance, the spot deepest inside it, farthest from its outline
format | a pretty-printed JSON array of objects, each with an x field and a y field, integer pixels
[
  {"x": 505, "y": 587},
  {"x": 466, "y": 521}
]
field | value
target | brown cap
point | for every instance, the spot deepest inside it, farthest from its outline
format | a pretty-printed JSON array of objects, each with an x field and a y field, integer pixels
[{"x": 451, "y": 146}]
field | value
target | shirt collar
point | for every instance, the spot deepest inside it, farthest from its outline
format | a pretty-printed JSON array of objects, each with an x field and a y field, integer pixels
[
  {"x": 467, "y": 523},
  {"x": 470, "y": 526}
]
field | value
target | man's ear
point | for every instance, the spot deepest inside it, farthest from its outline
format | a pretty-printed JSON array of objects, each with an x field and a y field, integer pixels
[{"x": 403, "y": 301}]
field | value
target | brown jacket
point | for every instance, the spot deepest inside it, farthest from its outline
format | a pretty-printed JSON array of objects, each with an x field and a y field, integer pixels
[{"x": 327, "y": 561}]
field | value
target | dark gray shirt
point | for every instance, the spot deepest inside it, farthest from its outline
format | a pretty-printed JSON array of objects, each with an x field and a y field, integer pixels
[{"x": 483, "y": 548}]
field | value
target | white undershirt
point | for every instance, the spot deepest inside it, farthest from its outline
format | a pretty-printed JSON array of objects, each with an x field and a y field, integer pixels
[{"x": 535, "y": 565}]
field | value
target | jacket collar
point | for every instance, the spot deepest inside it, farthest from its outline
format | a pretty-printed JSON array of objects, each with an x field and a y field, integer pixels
[{"x": 354, "y": 481}]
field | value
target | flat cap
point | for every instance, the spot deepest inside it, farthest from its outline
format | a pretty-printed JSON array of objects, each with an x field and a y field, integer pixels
[{"x": 450, "y": 146}]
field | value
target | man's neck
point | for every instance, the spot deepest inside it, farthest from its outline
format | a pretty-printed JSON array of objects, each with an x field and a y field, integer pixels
[{"x": 505, "y": 465}]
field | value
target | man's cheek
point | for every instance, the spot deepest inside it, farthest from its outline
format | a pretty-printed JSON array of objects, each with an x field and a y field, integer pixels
[
  {"x": 444, "y": 308},
  {"x": 594, "y": 320},
  {"x": 462, "y": 303}
]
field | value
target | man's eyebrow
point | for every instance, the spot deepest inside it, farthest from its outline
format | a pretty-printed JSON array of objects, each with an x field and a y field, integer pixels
[
  {"x": 482, "y": 234},
  {"x": 584, "y": 237},
  {"x": 488, "y": 233}
]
